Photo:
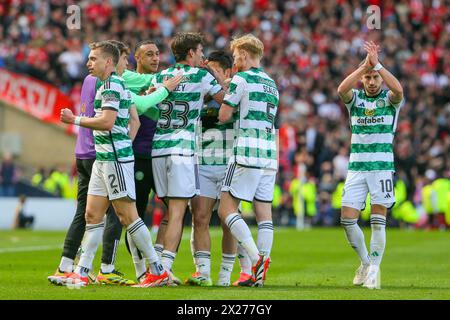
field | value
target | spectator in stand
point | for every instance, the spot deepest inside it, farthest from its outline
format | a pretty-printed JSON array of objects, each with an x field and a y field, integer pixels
[
  {"x": 340, "y": 164},
  {"x": 72, "y": 60},
  {"x": 22, "y": 220},
  {"x": 39, "y": 177},
  {"x": 8, "y": 176}
]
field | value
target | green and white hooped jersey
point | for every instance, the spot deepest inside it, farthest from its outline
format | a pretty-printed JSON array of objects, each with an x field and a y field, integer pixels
[
  {"x": 216, "y": 142},
  {"x": 255, "y": 96},
  {"x": 180, "y": 112},
  {"x": 373, "y": 121},
  {"x": 114, "y": 145}
]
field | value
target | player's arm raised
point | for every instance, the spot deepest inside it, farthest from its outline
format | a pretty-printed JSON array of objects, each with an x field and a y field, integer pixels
[
  {"x": 345, "y": 88},
  {"x": 396, "y": 90},
  {"x": 134, "y": 123}
]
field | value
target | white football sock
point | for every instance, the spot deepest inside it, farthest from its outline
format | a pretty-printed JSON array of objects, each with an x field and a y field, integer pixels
[
  {"x": 138, "y": 261},
  {"x": 167, "y": 259},
  {"x": 204, "y": 262},
  {"x": 244, "y": 260},
  {"x": 92, "y": 238},
  {"x": 242, "y": 233},
  {"x": 355, "y": 238},
  {"x": 142, "y": 239},
  {"x": 159, "y": 249},
  {"x": 226, "y": 267},
  {"x": 107, "y": 268},
  {"x": 378, "y": 239},
  {"x": 265, "y": 237},
  {"x": 66, "y": 265}
]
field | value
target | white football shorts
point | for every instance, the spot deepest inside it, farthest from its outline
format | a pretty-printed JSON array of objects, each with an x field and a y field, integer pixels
[
  {"x": 176, "y": 177},
  {"x": 249, "y": 184},
  {"x": 112, "y": 179},
  {"x": 380, "y": 185},
  {"x": 211, "y": 179}
]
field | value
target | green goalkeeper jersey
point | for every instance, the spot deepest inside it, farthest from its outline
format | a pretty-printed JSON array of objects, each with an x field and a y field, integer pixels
[{"x": 138, "y": 83}]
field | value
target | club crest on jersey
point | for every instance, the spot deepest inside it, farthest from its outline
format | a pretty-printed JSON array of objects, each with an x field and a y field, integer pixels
[
  {"x": 110, "y": 97},
  {"x": 186, "y": 78},
  {"x": 369, "y": 112},
  {"x": 380, "y": 103},
  {"x": 83, "y": 107}
]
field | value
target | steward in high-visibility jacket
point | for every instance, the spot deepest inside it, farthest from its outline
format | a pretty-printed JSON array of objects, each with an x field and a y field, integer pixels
[
  {"x": 403, "y": 209},
  {"x": 441, "y": 187},
  {"x": 51, "y": 184},
  {"x": 37, "y": 179},
  {"x": 427, "y": 199},
  {"x": 308, "y": 194},
  {"x": 246, "y": 209},
  {"x": 277, "y": 197},
  {"x": 336, "y": 196},
  {"x": 365, "y": 214}
]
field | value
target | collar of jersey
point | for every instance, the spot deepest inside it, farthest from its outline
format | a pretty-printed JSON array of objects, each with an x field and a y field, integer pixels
[
  {"x": 182, "y": 65},
  {"x": 257, "y": 69}
]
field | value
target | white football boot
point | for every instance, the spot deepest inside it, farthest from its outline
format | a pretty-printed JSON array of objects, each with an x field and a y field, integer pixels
[
  {"x": 361, "y": 274},
  {"x": 373, "y": 280}
]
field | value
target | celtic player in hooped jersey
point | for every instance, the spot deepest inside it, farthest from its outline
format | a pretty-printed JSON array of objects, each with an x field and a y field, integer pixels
[
  {"x": 252, "y": 168},
  {"x": 112, "y": 174},
  {"x": 373, "y": 120},
  {"x": 174, "y": 154},
  {"x": 215, "y": 144}
]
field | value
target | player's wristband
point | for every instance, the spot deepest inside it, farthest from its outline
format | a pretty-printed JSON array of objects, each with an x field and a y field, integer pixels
[
  {"x": 378, "y": 67},
  {"x": 77, "y": 121}
]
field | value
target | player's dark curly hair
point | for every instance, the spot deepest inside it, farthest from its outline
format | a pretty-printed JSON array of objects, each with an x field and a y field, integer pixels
[{"x": 183, "y": 42}]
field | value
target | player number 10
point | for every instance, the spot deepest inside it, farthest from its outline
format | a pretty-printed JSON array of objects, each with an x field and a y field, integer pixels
[{"x": 386, "y": 185}]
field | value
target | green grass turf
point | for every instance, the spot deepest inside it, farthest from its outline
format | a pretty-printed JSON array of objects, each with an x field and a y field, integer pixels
[{"x": 313, "y": 264}]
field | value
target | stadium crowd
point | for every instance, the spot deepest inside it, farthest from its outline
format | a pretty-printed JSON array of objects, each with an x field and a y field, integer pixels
[{"x": 310, "y": 46}]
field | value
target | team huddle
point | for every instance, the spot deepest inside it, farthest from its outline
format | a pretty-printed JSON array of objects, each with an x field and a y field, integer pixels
[{"x": 203, "y": 134}]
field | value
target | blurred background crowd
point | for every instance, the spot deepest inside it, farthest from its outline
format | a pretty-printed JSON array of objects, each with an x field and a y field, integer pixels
[{"x": 310, "y": 46}]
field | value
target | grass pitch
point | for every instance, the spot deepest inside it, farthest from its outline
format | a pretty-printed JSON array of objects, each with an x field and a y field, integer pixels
[{"x": 313, "y": 264}]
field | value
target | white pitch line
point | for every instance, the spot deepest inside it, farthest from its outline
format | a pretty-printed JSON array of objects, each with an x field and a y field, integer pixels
[
  {"x": 186, "y": 235},
  {"x": 33, "y": 248}
]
